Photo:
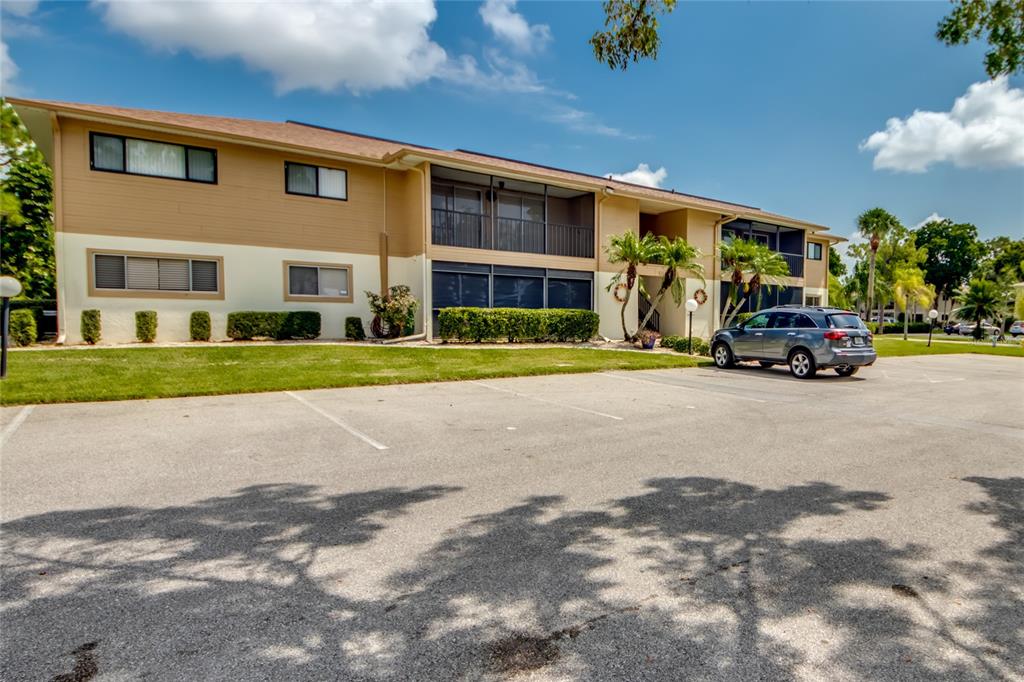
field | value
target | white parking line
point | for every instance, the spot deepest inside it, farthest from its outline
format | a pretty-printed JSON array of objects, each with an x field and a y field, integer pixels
[
  {"x": 549, "y": 402},
  {"x": 639, "y": 380},
  {"x": 15, "y": 423},
  {"x": 358, "y": 434}
]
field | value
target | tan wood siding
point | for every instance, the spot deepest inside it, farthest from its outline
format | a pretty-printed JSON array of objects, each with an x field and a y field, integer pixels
[
  {"x": 247, "y": 206},
  {"x": 406, "y": 219},
  {"x": 816, "y": 271}
]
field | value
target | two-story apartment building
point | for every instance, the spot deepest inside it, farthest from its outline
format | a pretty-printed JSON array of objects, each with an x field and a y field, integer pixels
[{"x": 180, "y": 212}]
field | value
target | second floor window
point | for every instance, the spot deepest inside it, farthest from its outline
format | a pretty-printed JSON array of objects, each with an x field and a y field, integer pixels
[
  {"x": 315, "y": 181},
  {"x": 813, "y": 251},
  {"x": 118, "y": 154}
]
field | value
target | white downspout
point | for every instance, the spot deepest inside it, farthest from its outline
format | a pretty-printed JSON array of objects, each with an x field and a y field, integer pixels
[{"x": 423, "y": 269}]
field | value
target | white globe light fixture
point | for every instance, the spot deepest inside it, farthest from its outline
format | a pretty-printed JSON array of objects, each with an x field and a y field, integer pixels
[
  {"x": 9, "y": 288},
  {"x": 933, "y": 314},
  {"x": 691, "y": 307}
]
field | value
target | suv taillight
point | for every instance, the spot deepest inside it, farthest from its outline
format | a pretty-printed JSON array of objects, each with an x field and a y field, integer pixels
[{"x": 835, "y": 335}]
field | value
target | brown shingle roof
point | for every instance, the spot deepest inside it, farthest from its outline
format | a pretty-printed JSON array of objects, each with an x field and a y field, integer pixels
[{"x": 314, "y": 139}]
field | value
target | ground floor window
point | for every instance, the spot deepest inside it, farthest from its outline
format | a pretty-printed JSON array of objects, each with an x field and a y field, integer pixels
[
  {"x": 113, "y": 272},
  {"x": 317, "y": 281},
  {"x": 502, "y": 286},
  {"x": 812, "y": 300}
]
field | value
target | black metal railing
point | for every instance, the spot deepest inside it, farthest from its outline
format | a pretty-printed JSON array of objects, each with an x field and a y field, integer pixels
[
  {"x": 643, "y": 307},
  {"x": 795, "y": 263},
  {"x": 476, "y": 231}
]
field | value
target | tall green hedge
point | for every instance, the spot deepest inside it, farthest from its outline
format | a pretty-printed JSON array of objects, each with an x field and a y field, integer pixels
[
  {"x": 897, "y": 328},
  {"x": 145, "y": 325},
  {"x": 516, "y": 324},
  {"x": 681, "y": 344},
  {"x": 23, "y": 327},
  {"x": 37, "y": 306},
  {"x": 91, "y": 326},
  {"x": 298, "y": 324},
  {"x": 199, "y": 325}
]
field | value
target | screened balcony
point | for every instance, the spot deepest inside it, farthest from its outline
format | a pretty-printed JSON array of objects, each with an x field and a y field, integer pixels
[
  {"x": 786, "y": 241},
  {"x": 476, "y": 211}
]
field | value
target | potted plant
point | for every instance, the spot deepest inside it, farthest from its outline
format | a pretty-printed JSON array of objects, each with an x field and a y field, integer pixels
[{"x": 648, "y": 338}]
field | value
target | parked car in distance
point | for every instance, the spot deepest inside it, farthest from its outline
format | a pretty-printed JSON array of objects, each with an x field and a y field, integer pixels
[
  {"x": 1017, "y": 328},
  {"x": 885, "y": 319},
  {"x": 951, "y": 328},
  {"x": 987, "y": 330},
  {"x": 806, "y": 338}
]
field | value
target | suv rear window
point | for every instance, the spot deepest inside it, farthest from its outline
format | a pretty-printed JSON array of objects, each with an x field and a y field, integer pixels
[{"x": 845, "y": 321}]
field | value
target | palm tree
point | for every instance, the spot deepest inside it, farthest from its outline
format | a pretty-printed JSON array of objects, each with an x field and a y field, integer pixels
[
  {"x": 908, "y": 283},
  {"x": 874, "y": 224},
  {"x": 675, "y": 255},
  {"x": 737, "y": 256},
  {"x": 767, "y": 267},
  {"x": 981, "y": 299},
  {"x": 631, "y": 251}
]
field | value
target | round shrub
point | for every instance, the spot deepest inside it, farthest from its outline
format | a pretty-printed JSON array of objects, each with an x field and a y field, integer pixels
[
  {"x": 145, "y": 325},
  {"x": 199, "y": 325},
  {"x": 23, "y": 327},
  {"x": 91, "y": 326}
]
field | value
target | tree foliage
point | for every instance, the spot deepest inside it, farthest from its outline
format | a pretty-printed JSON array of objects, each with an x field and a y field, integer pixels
[
  {"x": 982, "y": 299},
  {"x": 1002, "y": 258},
  {"x": 629, "y": 251},
  {"x": 26, "y": 210},
  {"x": 953, "y": 252},
  {"x": 836, "y": 266},
  {"x": 631, "y": 31},
  {"x": 676, "y": 256},
  {"x": 1000, "y": 22}
]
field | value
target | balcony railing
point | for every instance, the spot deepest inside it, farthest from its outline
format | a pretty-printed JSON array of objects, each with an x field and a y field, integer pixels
[
  {"x": 795, "y": 263},
  {"x": 475, "y": 231}
]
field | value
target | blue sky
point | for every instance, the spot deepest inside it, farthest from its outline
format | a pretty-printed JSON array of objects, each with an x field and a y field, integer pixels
[{"x": 761, "y": 103}]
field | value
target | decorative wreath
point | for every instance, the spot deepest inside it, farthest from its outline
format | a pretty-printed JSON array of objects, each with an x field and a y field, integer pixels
[
  {"x": 619, "y": 292},
  {"x": 700, "y": 296}
]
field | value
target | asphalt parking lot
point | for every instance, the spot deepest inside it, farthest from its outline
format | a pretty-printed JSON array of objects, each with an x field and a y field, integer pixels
[{"x": 679, "y": 524}]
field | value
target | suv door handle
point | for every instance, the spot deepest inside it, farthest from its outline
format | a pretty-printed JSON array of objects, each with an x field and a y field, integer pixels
[
  {"x": 790, "y": 333},
  {"x": 758, "y": 333}
]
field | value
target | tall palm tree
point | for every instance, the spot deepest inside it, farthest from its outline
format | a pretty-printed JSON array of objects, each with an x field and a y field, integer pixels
[
  {"x": 908, "y": 283},
  {"x": 737, "y": 255},
  {"x": 675, "y": 255},
  {"x": 630, "y": 251},
  {"x": 874, "y": 224},
  {"x": 767, "y": 267},
  {"x": 981, "y": 299}
]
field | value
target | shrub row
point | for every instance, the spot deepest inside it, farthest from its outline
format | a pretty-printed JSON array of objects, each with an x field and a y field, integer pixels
[
  {"x": 516, "y": 324},
  {"x": 681, "y": 344},
  {"x": 912, "y": 328},
  {"x": 251, "y": 324}
]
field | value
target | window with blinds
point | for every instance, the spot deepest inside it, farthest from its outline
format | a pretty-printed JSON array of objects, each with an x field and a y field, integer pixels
[
  {"x": 154, "y": 273},
  {"x": 315, "y": 181},
  {"x": 118, "y": 154},
  {"x": 318, "y": 280}
]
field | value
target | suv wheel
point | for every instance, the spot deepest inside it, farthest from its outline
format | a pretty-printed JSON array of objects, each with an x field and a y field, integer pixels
[
  {"x": 722, "y": 355},
  {"x": 801, "y": 364}
]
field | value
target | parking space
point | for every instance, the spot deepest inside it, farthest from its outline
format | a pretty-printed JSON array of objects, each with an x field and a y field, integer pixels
[{"x": 662, "y": 524}]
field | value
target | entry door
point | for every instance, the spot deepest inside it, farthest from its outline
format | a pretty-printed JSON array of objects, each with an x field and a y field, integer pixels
[{"x": 748, "y": 342}]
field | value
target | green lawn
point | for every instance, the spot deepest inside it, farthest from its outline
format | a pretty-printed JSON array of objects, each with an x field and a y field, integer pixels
[
  {"x": 74, "y": 375},
  {"x": 892, "y": 346}
]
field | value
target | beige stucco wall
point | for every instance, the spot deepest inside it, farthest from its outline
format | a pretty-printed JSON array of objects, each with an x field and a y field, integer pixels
[
  {"x": 816, "y": 271},
  {"x": 253, "y": 280}
]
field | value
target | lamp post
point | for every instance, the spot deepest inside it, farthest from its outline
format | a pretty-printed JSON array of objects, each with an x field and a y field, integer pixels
[
  {"x": 9, "y": 288},
  {"x": 691, "y": 307},
  {"x": 932, "y": 314}
]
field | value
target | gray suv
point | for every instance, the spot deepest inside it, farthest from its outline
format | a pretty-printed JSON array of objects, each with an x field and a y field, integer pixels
[{"x": 805, "y": 338}]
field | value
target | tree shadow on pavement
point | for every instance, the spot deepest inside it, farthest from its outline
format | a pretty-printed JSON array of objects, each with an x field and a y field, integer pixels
[{"x": 692, "y": 578}]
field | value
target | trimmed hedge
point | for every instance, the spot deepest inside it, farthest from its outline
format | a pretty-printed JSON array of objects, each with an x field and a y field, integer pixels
[
  {"x": 199, "y": 325},
  {"x": 251, "y": 324},
  {"x": 91, "y": 326},
  {"x": 516, "y": 324},
  {"x": 145, "y": 325},
  {"x": 681, "y": 344},
  {"x": 897, "y": 328},
  {"x": 354, "y": 328},
  {"x": 37, "y": 306},
  {"x": 23, "y": 327}
]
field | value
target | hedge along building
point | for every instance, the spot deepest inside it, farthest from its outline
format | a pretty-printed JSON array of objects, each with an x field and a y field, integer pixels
[{"x": 181, "y": 212}]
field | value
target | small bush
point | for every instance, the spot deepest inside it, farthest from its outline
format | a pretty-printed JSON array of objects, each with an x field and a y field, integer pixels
[
  {"x": 91, "y": 326},
  {"x": 681, "y": 344},
  {"x": 394, "y": 313},
  {"x": 897, "y": 328},
  {"x": 23, "y": 327},
  {"x": 516, "y": 324},
  {"x": 199, "y": 325},
  {"x": 37, "y": 306},
  {"x": 299, "y": 324},
  {"x": 145, "y": 325},
  {"x": 354, "y": 329}
]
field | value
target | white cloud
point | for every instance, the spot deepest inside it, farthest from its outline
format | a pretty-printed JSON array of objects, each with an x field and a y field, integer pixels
[
  {"x": 8, "y": 69},
  {"x": 508, "y": 25},
  {"x": 583, "y": 122},
  {"x": 984, "y": 129},
  {"x": 933, "y": 218},
  {"x": 20, "y": 8},
  {"x": 642, "y": 175},
  {"x": 318, "y": 44}
]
